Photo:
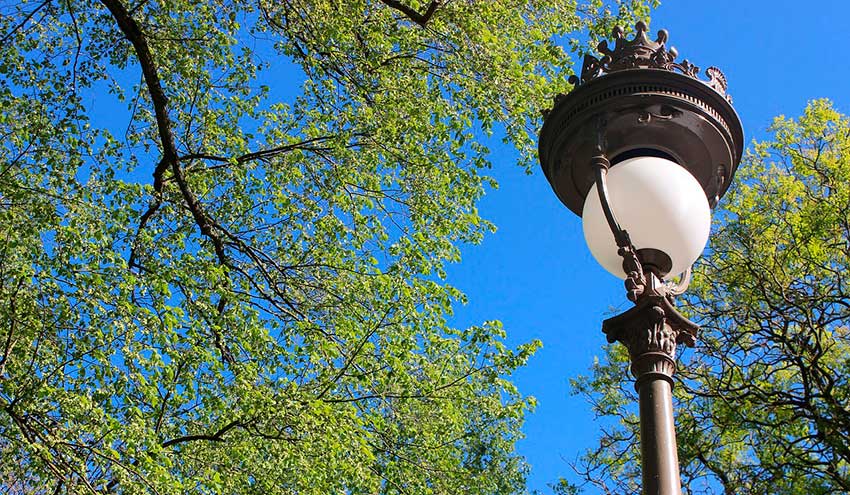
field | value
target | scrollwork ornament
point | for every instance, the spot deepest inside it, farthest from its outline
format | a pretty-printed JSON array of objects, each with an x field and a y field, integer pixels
[
  {"x": 686, "y": 68},
  {"x": 661, "y": 59},
  {"x": 665, "y": 113},
  {"x": 717, "y": 80}
]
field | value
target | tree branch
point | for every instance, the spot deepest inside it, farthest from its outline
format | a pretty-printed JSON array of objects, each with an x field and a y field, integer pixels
[
  {"x": 21, "y": 24},
  {"x": 413, "y": 15},
  {"x": 215, "y": 437},
  {"x": 134, "y": 34}
]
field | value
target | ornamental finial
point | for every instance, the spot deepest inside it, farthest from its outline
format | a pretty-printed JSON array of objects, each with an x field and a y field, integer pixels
[{"x": 641, "y": 52}]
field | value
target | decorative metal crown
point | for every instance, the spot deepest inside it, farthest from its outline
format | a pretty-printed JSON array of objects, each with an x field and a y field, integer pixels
[{"x": 641, "y": 52}]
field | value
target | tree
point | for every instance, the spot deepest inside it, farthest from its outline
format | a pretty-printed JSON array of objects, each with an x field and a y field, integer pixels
[
  {"x": 268, "y": 313},
  {"x": 763, "y": 403}
]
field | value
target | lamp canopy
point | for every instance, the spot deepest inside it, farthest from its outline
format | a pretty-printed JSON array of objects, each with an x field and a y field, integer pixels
[{"x": 636, "y": 100}]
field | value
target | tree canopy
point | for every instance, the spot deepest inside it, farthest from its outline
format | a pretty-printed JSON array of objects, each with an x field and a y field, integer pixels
[
  {"x": 763, "y": 403},
  {"x": 224, "y": 230}
]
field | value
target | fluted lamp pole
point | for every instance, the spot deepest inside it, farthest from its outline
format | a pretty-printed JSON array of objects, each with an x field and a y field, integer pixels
[{"x": 642, "y": 148}]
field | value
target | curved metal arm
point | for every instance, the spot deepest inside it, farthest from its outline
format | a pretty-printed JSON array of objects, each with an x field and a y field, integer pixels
[
  {"x": 600, "y": 164},
  {"x": 635, "y": 280}
]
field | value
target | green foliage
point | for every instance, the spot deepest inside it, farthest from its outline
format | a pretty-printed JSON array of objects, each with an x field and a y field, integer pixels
[
  {"x": 268, "y": 314},
  {"x": 762, "y": 405}
]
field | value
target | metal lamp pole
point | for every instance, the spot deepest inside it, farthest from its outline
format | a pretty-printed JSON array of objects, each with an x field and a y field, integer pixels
[{"x": 635, "y": 100}]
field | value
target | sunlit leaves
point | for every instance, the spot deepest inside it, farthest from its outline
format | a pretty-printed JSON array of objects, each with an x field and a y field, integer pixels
[{"x": 269, "y": 313}]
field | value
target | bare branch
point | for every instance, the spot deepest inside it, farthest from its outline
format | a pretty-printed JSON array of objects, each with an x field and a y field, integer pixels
[
  {"x": 413, "y": 15},
  {"x": 215, "y": 437}
]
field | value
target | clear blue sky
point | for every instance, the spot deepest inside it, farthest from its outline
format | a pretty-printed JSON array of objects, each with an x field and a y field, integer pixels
[{"x": 536, "y": 275}]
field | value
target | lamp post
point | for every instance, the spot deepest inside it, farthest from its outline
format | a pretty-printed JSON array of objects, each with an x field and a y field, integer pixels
[{"x": 642, "y": 149}]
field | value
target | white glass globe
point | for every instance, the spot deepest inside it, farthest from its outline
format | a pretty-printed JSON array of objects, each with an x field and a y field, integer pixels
[{"x": 659, "y": 203}]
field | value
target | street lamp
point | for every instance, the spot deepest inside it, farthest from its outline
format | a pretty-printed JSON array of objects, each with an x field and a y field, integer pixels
[{"x": 642, "y": 149}]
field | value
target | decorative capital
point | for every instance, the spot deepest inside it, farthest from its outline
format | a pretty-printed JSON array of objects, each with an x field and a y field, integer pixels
[
  {"x": 641, "y": 52},
  {"x": 651, "y": 330}
]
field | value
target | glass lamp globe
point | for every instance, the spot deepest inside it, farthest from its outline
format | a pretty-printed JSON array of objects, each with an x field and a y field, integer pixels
[{"x": 659, "y": 203}]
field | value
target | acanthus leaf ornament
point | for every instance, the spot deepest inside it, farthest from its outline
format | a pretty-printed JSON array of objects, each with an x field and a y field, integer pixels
[{"x": 651, "y": 331}]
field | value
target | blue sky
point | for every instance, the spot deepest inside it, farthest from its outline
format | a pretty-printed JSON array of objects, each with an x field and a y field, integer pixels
[{"x": 536, "y": 275}]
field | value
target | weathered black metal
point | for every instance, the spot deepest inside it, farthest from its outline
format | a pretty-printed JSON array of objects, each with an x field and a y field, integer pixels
[{"x": 647, "y": 101}]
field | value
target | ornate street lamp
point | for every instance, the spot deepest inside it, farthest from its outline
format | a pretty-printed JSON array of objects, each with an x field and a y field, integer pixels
[{"x": 642, "y": 149}]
